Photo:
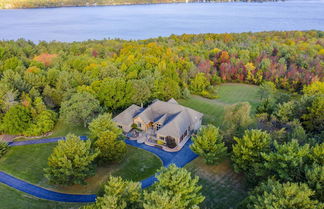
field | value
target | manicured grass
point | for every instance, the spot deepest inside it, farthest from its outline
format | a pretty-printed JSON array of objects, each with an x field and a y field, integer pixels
[
  {"x": 213, "y": 112},
  {"x": 222, "y": 187},
  {"x": 61, "y": 129},
  {"x": 230, "y": 93},
  {"x": 14, "y": 199},
  {"x": 27, "y": 162}
]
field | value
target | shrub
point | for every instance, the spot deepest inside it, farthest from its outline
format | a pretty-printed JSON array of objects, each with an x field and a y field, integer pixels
[{"x": 3, "y": 148}]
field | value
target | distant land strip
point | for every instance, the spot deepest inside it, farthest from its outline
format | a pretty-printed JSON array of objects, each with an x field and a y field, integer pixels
[{"x": 21, "y": 4}]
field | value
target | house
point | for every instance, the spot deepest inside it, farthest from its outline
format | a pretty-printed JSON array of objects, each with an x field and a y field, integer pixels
[{"x": 166, "y": 124}]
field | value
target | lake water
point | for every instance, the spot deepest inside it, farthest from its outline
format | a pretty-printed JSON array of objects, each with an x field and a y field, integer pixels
[{"x": 147, "y": 21}]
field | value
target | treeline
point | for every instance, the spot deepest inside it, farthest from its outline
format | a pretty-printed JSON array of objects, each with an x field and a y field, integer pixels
[
  {"x": 86, "y": 78},
  {"x": 15, "y": 4}
]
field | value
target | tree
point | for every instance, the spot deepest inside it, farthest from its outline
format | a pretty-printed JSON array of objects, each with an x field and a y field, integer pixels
[
  {"x": 267, "y": 89},
  {"x": 44, "y": 123},
  {"x": 314, "y": 118},
  {"x": 317, "y": 154},
  {"x": 3, "y": 148},
  {"x": 236, "y": 119},
  {"x": 208, "y": 144},
  {"x": 119, "y": 194},
  {"x": 199, "y": 83},
  {"x": 80, "y": 109},
  {"x": 247, "y": 152},
  {"x": 16, "y": 120},
  {"x": 111, "y": 149},
  {"x": 113, "y": 93},
  {"x": 314, "y": 88},
  {"x": 163, "y": 200},
  {"x": 315, "y": 180},
  {"x": 102, "y": 124},
  {"x": 175, "y": 181},
  {"x": 71, "y": 161},
  {"x": 273, "y": 194},
  {"x": 287, "y": 162}
]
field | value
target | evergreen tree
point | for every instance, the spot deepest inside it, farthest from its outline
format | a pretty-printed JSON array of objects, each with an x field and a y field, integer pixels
[
  {"x": 102, "y": 124},
  {"x": 16, "y": 120},
  {"x": 287, "y": 162},
  {"x": 120, "y": 194},
  {"x": 164, "y": 200},
  {"x": 71, "y": 161},
  {"x": 178, "y": 181},
  {"x": 208, "y": 144},
  {"x": 247, "y": 152},
  {"x": 111, "y": 149},
  {"x": 273, "y": 194},
  {"x": 315, "y": 180}
]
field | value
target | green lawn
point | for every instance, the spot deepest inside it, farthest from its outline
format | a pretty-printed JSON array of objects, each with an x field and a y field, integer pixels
[
  {"x": 27, "y": 162},
  {"x": 229, "y": 93},
  {"x": 14, "y": 199},
  {"x": 222, "y": 187}
]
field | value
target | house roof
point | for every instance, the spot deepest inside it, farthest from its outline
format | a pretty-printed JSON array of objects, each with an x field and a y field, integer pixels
[
  {"x": 126, "y": 117},
  {"x": 176, "y": 118}
]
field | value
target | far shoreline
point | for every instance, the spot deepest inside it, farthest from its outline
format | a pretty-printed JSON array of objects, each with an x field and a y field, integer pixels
[{"x": 140, "y": 3}]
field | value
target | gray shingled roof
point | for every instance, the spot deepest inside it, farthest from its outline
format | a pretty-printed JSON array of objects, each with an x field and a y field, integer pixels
[
  {"x": 126, "y": 117},
  {"x": 176, "y": 117}
]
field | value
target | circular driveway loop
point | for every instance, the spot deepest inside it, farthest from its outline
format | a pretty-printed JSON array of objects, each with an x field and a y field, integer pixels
[{"x": 180, "y": 159}]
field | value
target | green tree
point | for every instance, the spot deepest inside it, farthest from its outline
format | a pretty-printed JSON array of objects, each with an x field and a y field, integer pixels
[
  {"x": 315, "y": 180},
  {"x": 111, "y": 149},
  {"x": 102, "y": 124},
  {"x": 120, "y": 194},
  {"x": 71, "y": 161},
  {"x": 44, "y": 123},
  {"x": 273, "y": 194},
  {"x": 16, "y": 120},
  {"x": 314, "y": 118},
  {"x": 80, "y": 109},
  {"x": 247, "y": 152},
  {"x": 314, "y": 88},
  {"x": 287, "y": 162},
  {"x": 208, "y": 144},
  {"x": 236, "y": 119},
  {"x": 178, "y": 181},
  {"x": 317, "y": 154},
  {"x": 113, "y": 93},
  {"x": 199, "y": 83},
  {"x": 267, "y": 89},
  {"x": 163, "y": 200}
]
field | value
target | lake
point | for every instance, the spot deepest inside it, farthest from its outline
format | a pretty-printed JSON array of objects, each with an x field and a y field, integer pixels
[{"x": 148, "y": 21}]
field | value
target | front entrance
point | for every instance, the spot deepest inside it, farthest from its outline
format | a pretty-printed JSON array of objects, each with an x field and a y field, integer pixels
[{"x": 170, "y": 142}]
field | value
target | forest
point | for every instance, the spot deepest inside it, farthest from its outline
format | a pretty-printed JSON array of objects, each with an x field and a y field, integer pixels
[
  {"x": 15, "y": 4},
  {"x": 40, "y": 82},
  {"x": 277, "y": 144}
]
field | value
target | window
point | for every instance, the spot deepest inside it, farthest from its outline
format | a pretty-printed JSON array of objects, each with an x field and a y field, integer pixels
[
  {"x": 161, "y": 137},
  {"x": 158, "y": 126},
  {"x": 139, "y": 125}
]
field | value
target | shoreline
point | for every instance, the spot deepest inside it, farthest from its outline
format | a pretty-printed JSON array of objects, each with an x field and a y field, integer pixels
[{"x": 6, "y": 7}]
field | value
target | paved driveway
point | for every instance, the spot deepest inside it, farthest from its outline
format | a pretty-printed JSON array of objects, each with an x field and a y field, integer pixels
[{"x": 180, "y": 158}]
